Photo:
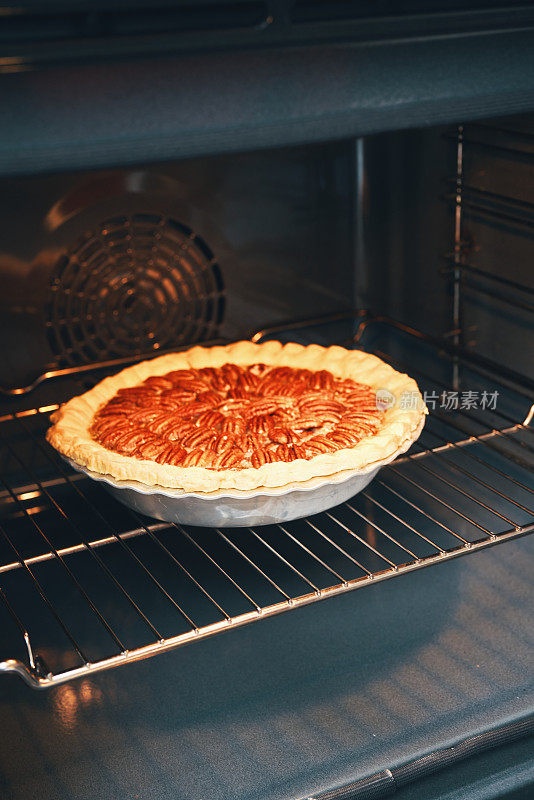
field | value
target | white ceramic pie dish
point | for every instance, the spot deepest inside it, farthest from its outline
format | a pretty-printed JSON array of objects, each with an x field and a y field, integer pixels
[{"x": 243, "y": 508}]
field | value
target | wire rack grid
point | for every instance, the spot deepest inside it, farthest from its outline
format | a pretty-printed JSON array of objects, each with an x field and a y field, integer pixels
[{"x": 87, "y": 584}]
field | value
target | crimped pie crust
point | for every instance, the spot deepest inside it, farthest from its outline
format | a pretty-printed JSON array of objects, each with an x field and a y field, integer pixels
[{"x": 71, "y": 435}]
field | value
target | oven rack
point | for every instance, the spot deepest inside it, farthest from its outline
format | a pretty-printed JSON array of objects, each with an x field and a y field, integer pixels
[{"x": 87, "y": 584}]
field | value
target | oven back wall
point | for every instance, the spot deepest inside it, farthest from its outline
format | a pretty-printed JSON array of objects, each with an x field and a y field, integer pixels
[
  {"x": 405, "y": 225},
  {"x": 160, "y": 255}
]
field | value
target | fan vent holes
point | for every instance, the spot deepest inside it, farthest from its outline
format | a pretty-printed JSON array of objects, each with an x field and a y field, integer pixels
[{"x": 135, "y": 284}]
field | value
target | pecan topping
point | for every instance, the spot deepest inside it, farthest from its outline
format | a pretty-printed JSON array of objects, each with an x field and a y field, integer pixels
[{"x": 234, "y": 417}]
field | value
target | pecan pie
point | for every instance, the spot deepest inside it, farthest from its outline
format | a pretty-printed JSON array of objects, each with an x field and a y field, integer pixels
[{"x": 241, "y": 416}]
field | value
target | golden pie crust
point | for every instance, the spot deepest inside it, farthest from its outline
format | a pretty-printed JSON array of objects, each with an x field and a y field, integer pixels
[{"x": 241, "y": 416}]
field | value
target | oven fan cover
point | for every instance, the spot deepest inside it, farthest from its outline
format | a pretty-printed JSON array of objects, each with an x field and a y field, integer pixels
[{"x": 134, "y": 284}]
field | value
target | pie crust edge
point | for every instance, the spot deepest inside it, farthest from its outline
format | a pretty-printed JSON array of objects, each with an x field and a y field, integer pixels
[{"x": 70, "y": 432}]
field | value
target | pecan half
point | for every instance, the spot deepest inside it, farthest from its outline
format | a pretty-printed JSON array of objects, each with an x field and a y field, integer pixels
[
  {"x": 322, "y": 444},
  {"x": 193, "y": 458},
  {"x": 233, "y": 425},
  {"x": 307, "y": 423},
  {"x": 229, "y": 459},
  {"x": 210, "y": 419},
  {"x": 262, "y": 456},
  {"x": 198, "y": 437}
]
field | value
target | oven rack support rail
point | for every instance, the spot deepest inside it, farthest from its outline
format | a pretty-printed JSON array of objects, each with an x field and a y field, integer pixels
[{"x": 466, "y": 485}]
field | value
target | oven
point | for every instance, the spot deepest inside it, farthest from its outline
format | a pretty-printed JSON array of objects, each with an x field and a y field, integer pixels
[{"x": 348, "y": 173}]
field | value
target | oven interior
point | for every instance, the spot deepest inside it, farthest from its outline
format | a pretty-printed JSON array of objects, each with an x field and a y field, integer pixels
[{"x": 414, "y": 245}]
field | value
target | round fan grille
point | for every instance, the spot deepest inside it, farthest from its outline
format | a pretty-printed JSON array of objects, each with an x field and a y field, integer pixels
[{"x": 133, "y": 285}]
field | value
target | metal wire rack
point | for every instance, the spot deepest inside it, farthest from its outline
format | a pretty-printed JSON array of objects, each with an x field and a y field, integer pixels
[{"x": 87, "y": 584}]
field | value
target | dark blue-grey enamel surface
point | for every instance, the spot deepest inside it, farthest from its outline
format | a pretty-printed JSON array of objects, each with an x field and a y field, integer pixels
[
  {"x": 111, "y": 114},
  {"x": 295, "y": 704}
]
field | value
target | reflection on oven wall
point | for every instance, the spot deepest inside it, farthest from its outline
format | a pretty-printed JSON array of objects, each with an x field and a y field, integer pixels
[
  {"x": 119, "y": 262},
  {"x": 498, "y": 241},
  {"x": 418, "y": 252}
]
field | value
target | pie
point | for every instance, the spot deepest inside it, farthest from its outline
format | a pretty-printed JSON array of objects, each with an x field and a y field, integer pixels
[{"x": 241, "y": 416}]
